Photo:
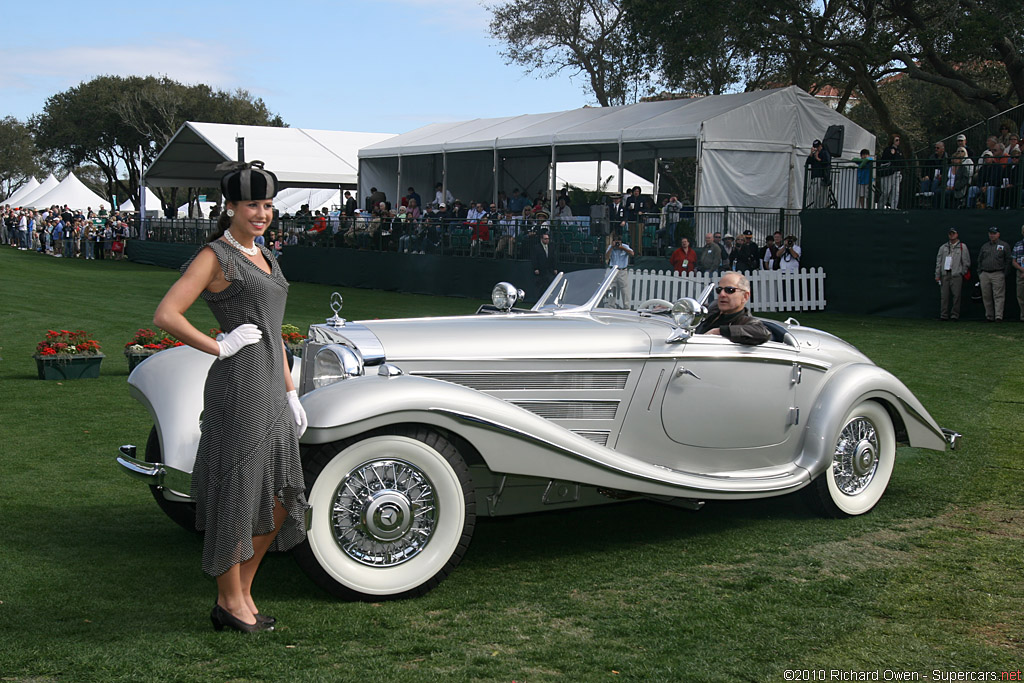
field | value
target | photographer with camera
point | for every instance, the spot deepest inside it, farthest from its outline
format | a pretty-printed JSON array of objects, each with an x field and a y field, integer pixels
[
  {"x": 617, "y": 255},
  {"x": 819, "y": 162},
  {"x": 788, "y": 256}
]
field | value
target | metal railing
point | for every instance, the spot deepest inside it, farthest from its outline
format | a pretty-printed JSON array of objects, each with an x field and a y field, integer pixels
[
  {"x": 577, "y": 240},
  {"x": 917, "y": 184}
]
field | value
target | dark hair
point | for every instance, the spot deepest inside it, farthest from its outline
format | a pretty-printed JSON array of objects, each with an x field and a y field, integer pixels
[{"x": 223, "y": 223}]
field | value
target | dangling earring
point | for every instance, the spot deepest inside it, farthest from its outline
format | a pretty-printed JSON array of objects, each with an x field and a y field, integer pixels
[{"x": 231, "y": 212}]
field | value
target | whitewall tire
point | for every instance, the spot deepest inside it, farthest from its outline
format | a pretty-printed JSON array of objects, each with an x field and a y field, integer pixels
[
  {"x": 392, "y": 514},
  {"x": 863, "y": 456}
]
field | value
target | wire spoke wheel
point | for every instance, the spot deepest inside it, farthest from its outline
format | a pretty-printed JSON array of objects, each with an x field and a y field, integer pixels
[
  {"x": 862, "y": 462},
  {"x": 392, "y": 514}
]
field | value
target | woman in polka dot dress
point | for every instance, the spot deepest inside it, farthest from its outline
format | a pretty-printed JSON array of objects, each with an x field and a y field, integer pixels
[{"x": 247, "y": 480}]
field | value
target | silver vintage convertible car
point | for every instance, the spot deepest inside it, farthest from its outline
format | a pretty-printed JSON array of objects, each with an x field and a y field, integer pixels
[{"x": 417, "y": 426}]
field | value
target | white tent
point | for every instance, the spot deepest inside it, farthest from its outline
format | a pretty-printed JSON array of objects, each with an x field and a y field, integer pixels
[
  {"x": 586, "y": 176},
  {"x": 299, "y": 157},
  {"x": 44, "y": 187},
  {"x": 750, "y": 147},
  {"x": 72, "y": 192},
  {"x": 25, "y": 190},
  {"x": 152, "y": 202},
  {"x": 291, "y": 199}
]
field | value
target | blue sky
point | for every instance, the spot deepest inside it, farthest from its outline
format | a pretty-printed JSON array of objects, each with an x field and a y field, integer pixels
[{"x": 384, "y": 66}]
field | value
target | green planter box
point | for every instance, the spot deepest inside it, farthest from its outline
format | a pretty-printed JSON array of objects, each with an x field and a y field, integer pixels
[
  {"x": 73, "y": 367},
  {"x": 135, "y": 358}
]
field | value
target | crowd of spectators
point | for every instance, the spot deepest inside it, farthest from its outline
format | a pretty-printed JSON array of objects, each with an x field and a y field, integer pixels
[
  {"x": 721, "y": 253},
  {"x": 63, "y": 232}
]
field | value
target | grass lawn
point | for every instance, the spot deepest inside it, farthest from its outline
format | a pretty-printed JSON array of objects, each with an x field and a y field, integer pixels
[{"x": 97, "y": 585}]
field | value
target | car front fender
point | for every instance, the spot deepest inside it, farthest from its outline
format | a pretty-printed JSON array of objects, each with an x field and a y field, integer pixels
[{"x": 850, "y": 386}]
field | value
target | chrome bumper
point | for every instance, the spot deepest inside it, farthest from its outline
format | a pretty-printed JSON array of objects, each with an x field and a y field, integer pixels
[
  {"x": 173, "y": 481},
  {"x": 952, "y": 438}
]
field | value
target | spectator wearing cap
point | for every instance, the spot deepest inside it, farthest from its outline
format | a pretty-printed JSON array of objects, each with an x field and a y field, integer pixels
[
  {"x": 961, "y": 141},
  {"x": 989, "y": 176},
  {"x": 993, "y": 262},
  {"x": 951, "y": 263},
  {"x": 728, "y": 247},
  {"x": 747, "y": 257},
  {"x": 1017, "y": 261}
]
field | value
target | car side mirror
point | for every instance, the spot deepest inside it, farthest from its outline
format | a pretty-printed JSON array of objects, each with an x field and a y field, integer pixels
[{"x": 687, "y": 314}]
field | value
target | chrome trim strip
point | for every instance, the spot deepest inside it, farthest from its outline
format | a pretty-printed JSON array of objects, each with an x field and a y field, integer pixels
[
  {"x": 506, "y": 429},
  {"x": 806, "y": 362},
  {"x": 532, "y": 380}
]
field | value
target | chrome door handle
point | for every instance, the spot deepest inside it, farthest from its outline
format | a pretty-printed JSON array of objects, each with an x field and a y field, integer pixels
[{"x": 685, "y": 371}]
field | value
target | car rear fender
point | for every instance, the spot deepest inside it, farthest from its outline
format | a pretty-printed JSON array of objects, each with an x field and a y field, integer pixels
[
  {"x": 170, "y": 385},
  {"x": 510, "y": 439},
  {"x": 851, "y": 385}
]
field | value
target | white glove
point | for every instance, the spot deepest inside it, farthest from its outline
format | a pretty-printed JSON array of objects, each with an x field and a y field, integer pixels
[
  {"x": 233, "y": 341},
  {"x": 298, "y": 412}
]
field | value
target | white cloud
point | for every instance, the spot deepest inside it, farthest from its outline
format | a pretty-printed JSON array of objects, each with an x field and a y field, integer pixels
[{"x": 188, "y": 61}]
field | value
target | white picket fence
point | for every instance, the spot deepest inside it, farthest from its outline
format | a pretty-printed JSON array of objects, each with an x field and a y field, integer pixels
[{"x": 770, "y": 290}]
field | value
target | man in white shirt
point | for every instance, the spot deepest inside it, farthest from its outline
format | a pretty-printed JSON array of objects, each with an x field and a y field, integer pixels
[
  {"x": 789, "y": 256},
  {"x": 618, "y": 254}
]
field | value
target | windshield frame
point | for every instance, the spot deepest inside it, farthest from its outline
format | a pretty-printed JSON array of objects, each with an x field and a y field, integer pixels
[{"x": 558, "y": 286}]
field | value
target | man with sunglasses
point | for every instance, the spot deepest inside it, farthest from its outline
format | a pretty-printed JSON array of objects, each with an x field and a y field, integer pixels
[{"x": 727, "y": 315}]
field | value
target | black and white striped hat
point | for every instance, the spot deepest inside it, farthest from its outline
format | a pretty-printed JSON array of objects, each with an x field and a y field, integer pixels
[{"x": 245, "y": 182}]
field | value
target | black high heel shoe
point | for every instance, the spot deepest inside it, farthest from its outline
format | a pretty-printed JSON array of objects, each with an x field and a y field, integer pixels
[
  {"x": 264, "y": 619},
  {"x": 221, "y": 618}
]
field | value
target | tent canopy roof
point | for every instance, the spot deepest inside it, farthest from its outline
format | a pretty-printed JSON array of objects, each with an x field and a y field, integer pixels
[
  {"x": 667, "y": 129},
  {"x": 299, "y": 157},
  {"x": 71, "y": 192}
]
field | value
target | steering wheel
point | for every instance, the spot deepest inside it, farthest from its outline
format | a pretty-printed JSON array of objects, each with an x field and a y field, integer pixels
[{"x": 655, "y": 307}]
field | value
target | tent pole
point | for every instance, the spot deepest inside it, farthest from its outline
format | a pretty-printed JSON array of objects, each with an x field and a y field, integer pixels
[
  {"x": 444, "y": 176},
  {"x": 657, "y": 179},
  {"x": 620, "y": 165},
  {"x": 597, "y": 185},
  {"x": 554, "y": 181},
  {"x": 398, "y": 185},
  {"x": 494, "y": 168}
]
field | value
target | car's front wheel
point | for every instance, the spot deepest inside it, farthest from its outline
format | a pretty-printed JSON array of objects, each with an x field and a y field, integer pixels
[
  {"x": 862, "y": 461},
  {"x": 392, "y": 513}
]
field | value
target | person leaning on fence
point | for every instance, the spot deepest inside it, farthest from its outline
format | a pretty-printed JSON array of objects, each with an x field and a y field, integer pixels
[
  {"x": 952, "y": 263},
  {"x": 993, "y": 262},
  {"x": 728, "y": 316},
  {"x": 864, "y": 164},
  {"x": 819, "y": 163}
]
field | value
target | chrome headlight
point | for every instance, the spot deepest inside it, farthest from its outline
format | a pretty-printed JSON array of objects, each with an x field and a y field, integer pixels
[
  {"x": 504, "y": 296},
  {"x": 334, "y": 363},
  {"x": 687, "y": 313}
]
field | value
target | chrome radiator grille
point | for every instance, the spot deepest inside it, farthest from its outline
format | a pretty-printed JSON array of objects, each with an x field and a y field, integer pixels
[
  {"x": 598, "y": 436},
  {"x": 533, "y": 380}
]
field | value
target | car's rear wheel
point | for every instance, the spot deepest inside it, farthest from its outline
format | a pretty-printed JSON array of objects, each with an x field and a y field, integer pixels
[
  {"x": 183, "y": 514},
  {"x": 392, "y": 514},
  {"x": 863, "y": 456}
]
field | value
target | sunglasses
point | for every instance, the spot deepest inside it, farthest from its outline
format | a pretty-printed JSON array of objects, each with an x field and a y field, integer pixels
[{"x": 729, "y": 290}]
